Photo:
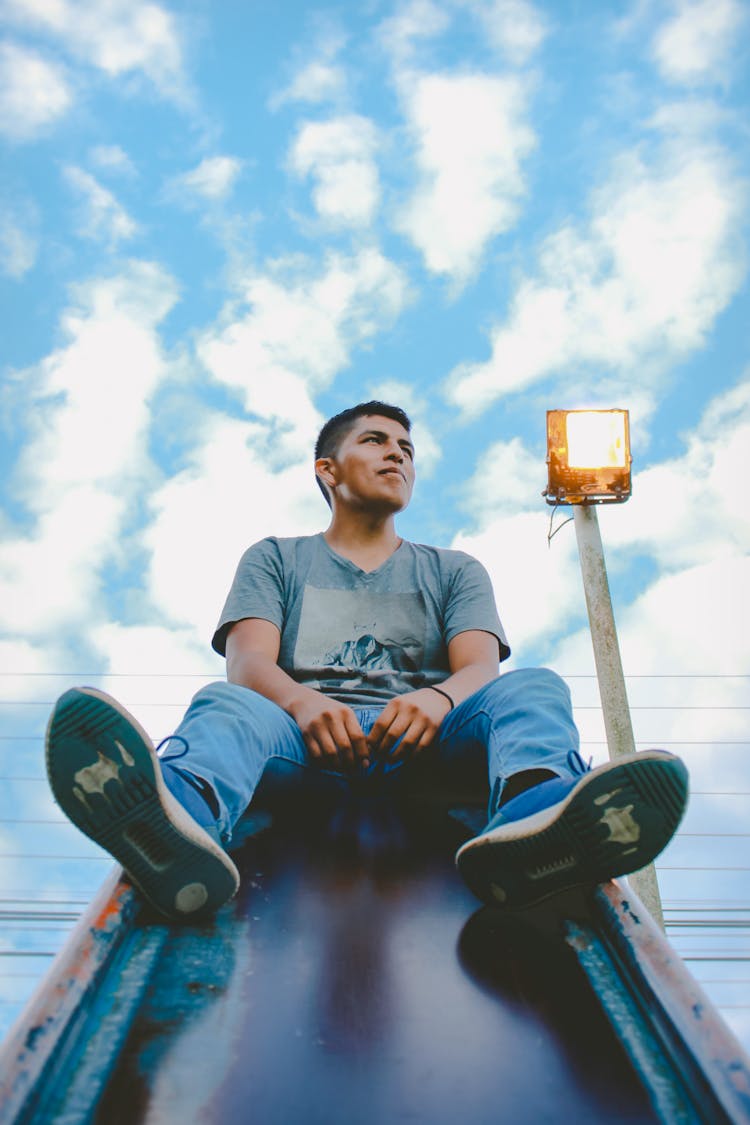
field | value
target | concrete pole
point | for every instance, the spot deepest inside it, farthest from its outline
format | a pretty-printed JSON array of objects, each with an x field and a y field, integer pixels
[{"x": 612, "y": 692}]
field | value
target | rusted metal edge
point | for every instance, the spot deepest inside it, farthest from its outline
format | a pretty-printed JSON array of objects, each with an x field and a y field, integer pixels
[
  {"x": 70, "y": 982},
  {"x": 671, "y": 1100},
  {"x": 686, "y": 1022}
]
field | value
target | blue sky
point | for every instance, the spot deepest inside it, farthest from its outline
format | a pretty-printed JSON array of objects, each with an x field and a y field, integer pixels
[{"x": 223, "y": 223}]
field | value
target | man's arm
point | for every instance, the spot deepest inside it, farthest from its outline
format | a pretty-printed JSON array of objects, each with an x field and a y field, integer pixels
[
  {"x": 417, "y": 715},
  {"x": 329, "y": 728}
]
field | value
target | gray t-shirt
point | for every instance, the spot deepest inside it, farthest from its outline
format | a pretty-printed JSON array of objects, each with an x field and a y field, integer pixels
[{"x": 357, "y": 636}]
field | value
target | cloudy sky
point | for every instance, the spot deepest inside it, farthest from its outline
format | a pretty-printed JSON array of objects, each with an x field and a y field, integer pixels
[{"x": 222, "y": 223}]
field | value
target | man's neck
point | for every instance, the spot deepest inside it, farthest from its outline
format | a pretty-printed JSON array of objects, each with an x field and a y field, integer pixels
[{"x": 366, "y": 541}]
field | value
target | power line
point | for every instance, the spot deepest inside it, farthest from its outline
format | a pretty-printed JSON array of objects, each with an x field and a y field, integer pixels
[
  {"x": 77, "y": 858},
  {"x": 10, "y": 896},
  {"x": 700, "y": 909},
  {"x": 719, "y": 793},
  {"x": 29, "y": 953},
  {"x": 694, "y": 867},
  {"x": 19, "y": 820},
  {"x": 708, "y": 903},
  {"x": 703, "y": 923},
  {"x": 120, "y": 675},
  {"x": 683, "y": 835},
  {"x": 727, "y": 980},
  {"x": 716, "y": 957}
]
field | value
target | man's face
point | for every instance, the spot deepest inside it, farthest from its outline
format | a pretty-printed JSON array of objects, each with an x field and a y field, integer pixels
[{"x": 374, "y": 465}]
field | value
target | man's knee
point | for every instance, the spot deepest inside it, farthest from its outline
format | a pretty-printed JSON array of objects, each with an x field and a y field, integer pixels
[
  {"x": 529, "y": 681},
  {"x": 224, "y": 695}
]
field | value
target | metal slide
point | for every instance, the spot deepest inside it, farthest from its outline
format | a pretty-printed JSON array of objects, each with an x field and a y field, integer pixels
[{"x": 355, "y": 980}]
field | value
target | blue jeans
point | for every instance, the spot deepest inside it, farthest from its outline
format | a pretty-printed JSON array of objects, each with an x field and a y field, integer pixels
[{"x": 235, "y": 738}]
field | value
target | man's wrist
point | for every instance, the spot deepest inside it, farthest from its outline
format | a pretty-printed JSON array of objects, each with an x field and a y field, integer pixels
[
  {"x": 298, "y": 698},
  {"x": 445, "y": 695}
]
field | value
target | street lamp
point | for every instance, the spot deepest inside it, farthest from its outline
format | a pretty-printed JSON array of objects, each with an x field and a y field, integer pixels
[
  {"x": 588, "y": 454},
  {"x": 588, "y": 459}
]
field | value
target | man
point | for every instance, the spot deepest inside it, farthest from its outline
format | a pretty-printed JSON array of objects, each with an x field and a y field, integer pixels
[{"x": 356, "y": 653}]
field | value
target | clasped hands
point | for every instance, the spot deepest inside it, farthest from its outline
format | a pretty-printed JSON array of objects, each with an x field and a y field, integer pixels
[{"x": 334, "y": 737}]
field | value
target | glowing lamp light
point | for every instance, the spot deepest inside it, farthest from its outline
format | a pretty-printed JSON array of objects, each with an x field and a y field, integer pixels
[{"x": 588, "y": 457}]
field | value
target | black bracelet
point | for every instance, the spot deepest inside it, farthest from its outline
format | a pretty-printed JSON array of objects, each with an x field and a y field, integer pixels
[{"x": 444, "y": 695}]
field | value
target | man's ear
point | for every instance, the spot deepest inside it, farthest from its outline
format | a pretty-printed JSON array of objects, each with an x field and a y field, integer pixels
[{"x": 325, "y": 468}]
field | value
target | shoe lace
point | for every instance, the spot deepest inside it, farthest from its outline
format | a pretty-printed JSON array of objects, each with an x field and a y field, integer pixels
[
  {"x": 576, "y": 763},
  {"x": 173, "y": 757}
]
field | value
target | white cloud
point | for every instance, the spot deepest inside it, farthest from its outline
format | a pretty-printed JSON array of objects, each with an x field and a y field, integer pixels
[
  {"x": 532, "y": 579},
  {"x": 641, "y": 285},
  {"x": 339, "y": 155},
  {"x": 18, "y": 245},
  {"x": 413, "y": 24},
  {"x": 698, "y": 42},
  {"x": 689, "y": 511},
  {"x": 49, "y": 579},
  {"x": 296, "y": 329},
  {"x": 213, "y": 178},
  {"x": 508, "y": 534},
  {"x": 233, "y": 493},
  {"x": 34, "y": 93},
  {"x": 112, "y": 158},
  {"x": 689, "y": 118},
  {"x": 86, "y": 454},
  {"x": 513, "y": 27},
  {"x": 688, "y": 621},
  {"x": 532, "y": 582},
  {"x": 154, "y": 651},
  {"x": 103, "y": 218},
  {"x": 510, "y": 480},
  {"x": 119, "y": 37},
  {"x": 317, "y": 82},
  {"x": 469, "y": 130},
  {"x": 320, "y": 78},
  {"x": 471, "y": 136},
  {"x": 22, "y": 662}
]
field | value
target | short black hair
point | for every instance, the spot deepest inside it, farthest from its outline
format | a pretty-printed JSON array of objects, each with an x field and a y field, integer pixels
[{"x": 336, "y": 429}]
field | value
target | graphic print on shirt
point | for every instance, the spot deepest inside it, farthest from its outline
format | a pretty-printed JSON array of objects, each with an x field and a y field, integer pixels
[{"x": 353, "y": 639}]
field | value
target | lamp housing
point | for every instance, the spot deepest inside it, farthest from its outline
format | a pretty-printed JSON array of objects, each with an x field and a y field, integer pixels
[{"x": 588, "y": 457}]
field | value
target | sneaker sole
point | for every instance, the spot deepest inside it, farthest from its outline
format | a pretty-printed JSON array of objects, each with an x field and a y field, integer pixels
[
  {"x": 106, "y": 778},
  {"x": 616, "y": 820}
]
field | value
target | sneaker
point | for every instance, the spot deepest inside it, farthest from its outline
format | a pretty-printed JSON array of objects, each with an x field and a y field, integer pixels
[
  {"x": 583, "y": 830},
  {"x": 106, "y": 777}
]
